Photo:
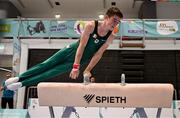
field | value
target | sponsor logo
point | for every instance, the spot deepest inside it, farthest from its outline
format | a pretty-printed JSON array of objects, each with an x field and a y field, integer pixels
[
  {"x": 95, "y": 36},
  {"x": 89, "y": 97},
  {"x": 110, "y": 99},
  {"x": 167, "y": 27},
  {"x": 79, "y": 27},
  {"x": 36, "y": 27},
  {"x": 5, "y": 28},
  {"x": 60, "y": 27},
  {"x": 104, "y": 99},
  {"x": 96, "y": 41},
  {"x": 137, "y": 31}
]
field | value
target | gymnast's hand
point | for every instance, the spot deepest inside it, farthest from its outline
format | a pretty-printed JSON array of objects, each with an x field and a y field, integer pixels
[
  {"x": 75, "y": 71},
  {"x": 74, "y": 74},
  {"x": 87, "y": 74}
]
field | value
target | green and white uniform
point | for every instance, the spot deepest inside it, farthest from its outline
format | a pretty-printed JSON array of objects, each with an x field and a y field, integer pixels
[{"x": 63, "y": 60}]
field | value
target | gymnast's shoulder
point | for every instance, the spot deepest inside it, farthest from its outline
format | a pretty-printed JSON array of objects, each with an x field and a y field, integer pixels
[{"x": 89, "y": 26}]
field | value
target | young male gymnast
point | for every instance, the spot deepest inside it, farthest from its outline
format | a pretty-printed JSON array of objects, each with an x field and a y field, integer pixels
[{"x": 94, "y": 41}]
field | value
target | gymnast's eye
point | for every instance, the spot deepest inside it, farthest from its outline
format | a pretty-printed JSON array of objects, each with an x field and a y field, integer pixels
[{"x": 116, "y": 20}]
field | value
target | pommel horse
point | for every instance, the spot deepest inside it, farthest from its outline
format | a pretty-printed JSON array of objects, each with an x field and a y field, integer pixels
[{"x": 105, "y": 95}]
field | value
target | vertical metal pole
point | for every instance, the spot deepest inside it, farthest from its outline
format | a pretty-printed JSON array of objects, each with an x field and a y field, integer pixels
[
  {"x": 143, "y": 41},
  {"x": 121, "y": 29},
  {"x": 51, "y": 112},
  {"x": 50, "y": 32},
  {"x": 158, "y": 113}
]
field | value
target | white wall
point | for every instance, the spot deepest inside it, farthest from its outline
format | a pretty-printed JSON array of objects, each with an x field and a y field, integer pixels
[
  {"x": 8, "y": 49},
  {"x": 3, "y": 13}
]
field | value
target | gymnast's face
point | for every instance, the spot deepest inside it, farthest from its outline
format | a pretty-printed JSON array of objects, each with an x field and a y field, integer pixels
[{"x": 113, "y": 21}]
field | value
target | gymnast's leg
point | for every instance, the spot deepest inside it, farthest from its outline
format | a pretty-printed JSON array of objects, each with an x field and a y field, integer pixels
[
  {"x": 56, "y": 59},
  {"x": 41, "y": 77}
]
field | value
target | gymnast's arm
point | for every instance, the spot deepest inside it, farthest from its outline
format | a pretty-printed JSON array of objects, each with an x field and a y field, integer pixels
[
  {"x": 95, "y": 59},
  {"x": 84, "y": 39}
]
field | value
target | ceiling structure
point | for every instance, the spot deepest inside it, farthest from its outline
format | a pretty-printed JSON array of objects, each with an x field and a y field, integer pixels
[{"x": 74, "y": 9}]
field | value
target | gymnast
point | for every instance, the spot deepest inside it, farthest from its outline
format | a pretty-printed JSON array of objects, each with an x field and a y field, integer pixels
[{"x": 94, "y": 41}]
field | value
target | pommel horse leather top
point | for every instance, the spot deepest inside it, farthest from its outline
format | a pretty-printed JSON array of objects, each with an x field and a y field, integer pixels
[{"x": 105, "y": 95}]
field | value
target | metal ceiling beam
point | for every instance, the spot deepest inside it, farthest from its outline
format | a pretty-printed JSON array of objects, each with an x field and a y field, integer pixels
[
  {"x": 50, "y": 3},
  {"x": 21, "y": 3}
]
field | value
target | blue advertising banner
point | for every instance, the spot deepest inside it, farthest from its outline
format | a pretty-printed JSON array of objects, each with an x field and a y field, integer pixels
[
  {"x": 162, "y": 29},
  {"x": 73, "y": 29},
  {"x": 140, "y": 28},
  {"x": 35, "y": 28},
  {"x": 67, "y": 28},
  {"x": 13, "y": 113},
  {"x": 132, "y": 28},
  {"x": 45, "y": 28},
  {"x": 8, "y": 28},
  {"x": 53, "y": 28}
]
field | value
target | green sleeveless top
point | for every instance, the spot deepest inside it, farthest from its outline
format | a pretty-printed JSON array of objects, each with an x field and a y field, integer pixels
[{"x": 94, "y": 43}]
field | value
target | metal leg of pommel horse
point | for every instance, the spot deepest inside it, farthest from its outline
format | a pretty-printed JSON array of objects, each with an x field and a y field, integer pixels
[
  {"x": 51, "y": 112},
  {"x": 142, "y": 113},
  {"x": 174, "y": 106},
  {"x": 158, "y": 113}
]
